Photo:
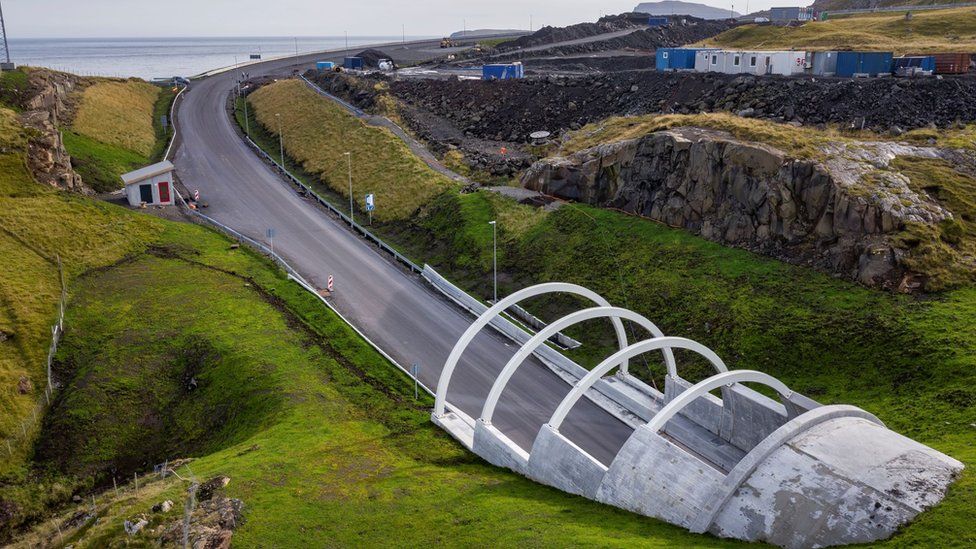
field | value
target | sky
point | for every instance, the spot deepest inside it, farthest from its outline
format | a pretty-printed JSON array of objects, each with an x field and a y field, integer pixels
[{"x": 153, "y": 18}]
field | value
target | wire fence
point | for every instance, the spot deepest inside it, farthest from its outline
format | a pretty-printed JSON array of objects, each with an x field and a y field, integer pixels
[{"x": 20, "y": 438}]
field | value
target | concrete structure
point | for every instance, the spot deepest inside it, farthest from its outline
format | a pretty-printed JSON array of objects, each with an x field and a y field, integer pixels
[
  {"x": 152, "y": 185},
  {"x": 790, "y": 13},
  {"x": 789, "y": 471},
  {"x": 783, "y": 63}
]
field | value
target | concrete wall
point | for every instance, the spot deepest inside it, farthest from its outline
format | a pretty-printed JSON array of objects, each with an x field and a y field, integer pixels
[
  {"x": 497, "y": 449},
  {"x": 656, "y": 478},
  {"x": 557, "y": 462}
]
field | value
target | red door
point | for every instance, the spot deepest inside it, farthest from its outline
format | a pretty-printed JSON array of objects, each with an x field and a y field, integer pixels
[{"x": 163, "y": 192}]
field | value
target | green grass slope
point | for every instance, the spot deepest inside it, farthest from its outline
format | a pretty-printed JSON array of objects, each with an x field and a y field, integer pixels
[
  {"x": 320, "y": 436},
  {"x": 949, "y": 30},
  {"x": 910, "y": 360}
]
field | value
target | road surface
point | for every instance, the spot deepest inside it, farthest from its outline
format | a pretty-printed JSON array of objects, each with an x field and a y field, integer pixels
[{"x": 395, "y": 309}]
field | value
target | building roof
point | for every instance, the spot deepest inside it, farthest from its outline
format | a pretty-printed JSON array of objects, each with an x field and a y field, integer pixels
[{"x": 143, "y": 174}]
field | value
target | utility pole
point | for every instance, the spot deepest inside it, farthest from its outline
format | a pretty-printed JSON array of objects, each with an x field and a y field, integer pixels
[
  {"x": 352, "y": 215},
  {"x": 296, "y": 46},
  {"x": 403, "y": 35},
  {"x": 281, "y": 141},
  {"x": 494, "y": 258},
  {"x": 7, "y": 65},
  {"x": 247, "y": 122},
  {"x": 347, "y": 40}
]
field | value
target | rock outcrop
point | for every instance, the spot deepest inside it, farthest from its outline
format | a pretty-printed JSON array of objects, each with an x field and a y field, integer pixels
[
  {"x": 838, "y": 215},
  {"x": 45, "y": 109}
]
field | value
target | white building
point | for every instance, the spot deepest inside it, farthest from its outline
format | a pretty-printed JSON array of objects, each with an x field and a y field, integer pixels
[
  {"x": 152, "y": 185},
  {"x": 752, "y": 62}
]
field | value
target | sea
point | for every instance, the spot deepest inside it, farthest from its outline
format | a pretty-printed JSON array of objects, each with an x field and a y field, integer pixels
[{"x": 150, "y": 58}]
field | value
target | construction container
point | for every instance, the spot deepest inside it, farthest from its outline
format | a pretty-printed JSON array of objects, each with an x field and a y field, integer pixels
[
  {"x": 950, "y": 63},
  {"x": 784, "y": 63},
  {"x": 657, "y": 21},
  {"x": 502, "y": 71},
  {"x": 353, "y": 63},
  {"x": 824, "y": 63},
  {"x": 677, "y": 59},
  {"x": 863, "y": 63},
  {"x": 324, "y": 65},
  {"x": 925, "y": 63}
]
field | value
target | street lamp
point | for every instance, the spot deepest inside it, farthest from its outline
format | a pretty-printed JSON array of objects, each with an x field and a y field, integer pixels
[
  {"x": 281, "y": 141},
  {"x": 494, "y": 257},
  {"x": 352, "y": 215}
]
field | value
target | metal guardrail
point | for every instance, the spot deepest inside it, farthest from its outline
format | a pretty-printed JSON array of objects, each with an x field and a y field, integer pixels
[{"x": 365, "y": 233}]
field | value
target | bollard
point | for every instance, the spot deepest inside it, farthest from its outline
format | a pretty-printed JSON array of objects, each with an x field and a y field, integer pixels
[
  {"x": 135, "y": 477},
  {"x": 115, "y": 487}
]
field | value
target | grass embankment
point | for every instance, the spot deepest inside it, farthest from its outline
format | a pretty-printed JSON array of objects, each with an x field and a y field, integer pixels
[
  {"x": 317, "y": 133},
  {"x": 199, "y": 349},
  {"x": 911, "y": 361},
  {"x": 37, "y": 224},
  {"x": 949, "y": 30},
  {"x": 116, "y": 129}
]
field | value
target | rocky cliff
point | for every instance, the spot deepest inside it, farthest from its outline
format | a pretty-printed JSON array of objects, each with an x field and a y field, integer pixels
[
  {"x": 840, "y": 214},
  {"x": 44, "y": 109}
]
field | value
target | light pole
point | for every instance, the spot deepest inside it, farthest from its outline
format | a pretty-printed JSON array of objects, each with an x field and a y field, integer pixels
[
  {"x": 247, "y": 121},
  {"x": 352, "y": 215},
  {"x": 281, "y": 141},
  {"x": 494, "y": 258}
]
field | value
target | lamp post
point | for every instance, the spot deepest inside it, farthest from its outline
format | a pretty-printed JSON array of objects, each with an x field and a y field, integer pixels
[
  {"x": 494, "y": 258},
  {"x": 281, "y": 141},
  {"x": 352, "y": 215}
]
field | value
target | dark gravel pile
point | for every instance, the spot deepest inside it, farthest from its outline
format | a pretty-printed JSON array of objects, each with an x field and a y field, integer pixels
[
  {"x": 510, "y": 110},
  {"x": 651, "y": 38},
  {"x": 549, "y": 35},
  {"x": 371, "y": 57}
]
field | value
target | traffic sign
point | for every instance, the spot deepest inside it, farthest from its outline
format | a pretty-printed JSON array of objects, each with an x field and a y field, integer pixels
[{"x": 370, "y": 202}]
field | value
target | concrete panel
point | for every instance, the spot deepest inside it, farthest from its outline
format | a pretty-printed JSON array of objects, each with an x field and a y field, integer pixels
[
  {"x": 656, "y": 478},
  {"x": 557, "y": 462},
  {"x": 497, "y": 449},
  {"x": 705, "y": 411},
  {"x": 751, "y": 416},
  {"x": 845, "y": 480}
]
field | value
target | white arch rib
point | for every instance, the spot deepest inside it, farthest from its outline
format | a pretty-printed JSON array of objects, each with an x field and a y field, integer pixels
[
  {"x": 569, "y": 320},
  {"x": 440, "y": 399},
  {"x": 610, "y": 362},
  {"x": 718, "y": 380}
]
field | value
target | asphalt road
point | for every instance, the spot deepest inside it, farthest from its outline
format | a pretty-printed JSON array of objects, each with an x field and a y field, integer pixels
[{"x": 395, "y": 309}]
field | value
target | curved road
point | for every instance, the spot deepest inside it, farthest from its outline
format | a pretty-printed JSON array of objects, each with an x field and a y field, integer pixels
[{"x": 395, "y": 309}]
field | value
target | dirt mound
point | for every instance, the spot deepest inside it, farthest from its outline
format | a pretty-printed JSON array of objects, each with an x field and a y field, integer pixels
[
  {"x": 510, "y": 110},
  {"x": 549, "y": 35},
  {"x": 371, "y": 57}
]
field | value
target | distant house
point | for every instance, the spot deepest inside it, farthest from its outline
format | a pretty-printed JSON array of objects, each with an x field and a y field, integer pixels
[
  {"x": 790, "y": 13},
  {"x": 152, "y": 185}
]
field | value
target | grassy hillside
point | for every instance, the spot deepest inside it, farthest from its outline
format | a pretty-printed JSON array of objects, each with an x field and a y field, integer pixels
[
  {"x": 317, "y": 133},
  {"x": 320, "y": 436},
  {"x": 947, "y": 30},
  {"x": 911, "y": 361},
  {"x": 116, "y": 129},
  {"x": 869, "y": 4},
  {"x": 37, "y": 224}
]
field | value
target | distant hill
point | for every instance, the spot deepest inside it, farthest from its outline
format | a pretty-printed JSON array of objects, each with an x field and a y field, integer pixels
[
  {"x": 828, "y": 5},
  {"x": 676, "y": 7}
]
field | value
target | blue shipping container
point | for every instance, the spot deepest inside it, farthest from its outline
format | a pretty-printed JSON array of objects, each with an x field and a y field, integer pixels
[
  {"x": 674, "y": 59},
  {"x": 657, "y": 21},
  {"x": 926, "y": 63},
  {"x": 502, "y": 71},
  {"x": 353, "y": 63},
  {"x": 871, "y": 63},
  {"x": 324, "y": 65}
]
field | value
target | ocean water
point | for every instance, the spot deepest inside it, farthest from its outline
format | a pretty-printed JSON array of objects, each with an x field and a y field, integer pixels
[{"x": 164, "y": 57}]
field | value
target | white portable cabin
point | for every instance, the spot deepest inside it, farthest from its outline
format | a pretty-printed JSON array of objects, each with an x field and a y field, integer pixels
[
  {"x": 784, "y": 63},
  {"x": 152, "y": 185}
]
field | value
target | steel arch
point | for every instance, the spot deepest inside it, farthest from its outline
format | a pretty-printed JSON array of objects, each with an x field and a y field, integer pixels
[
  {"x": 569, "y": 320},
  {"x": 610, "y": 362},
  {"x": 440, "y": 399}
]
